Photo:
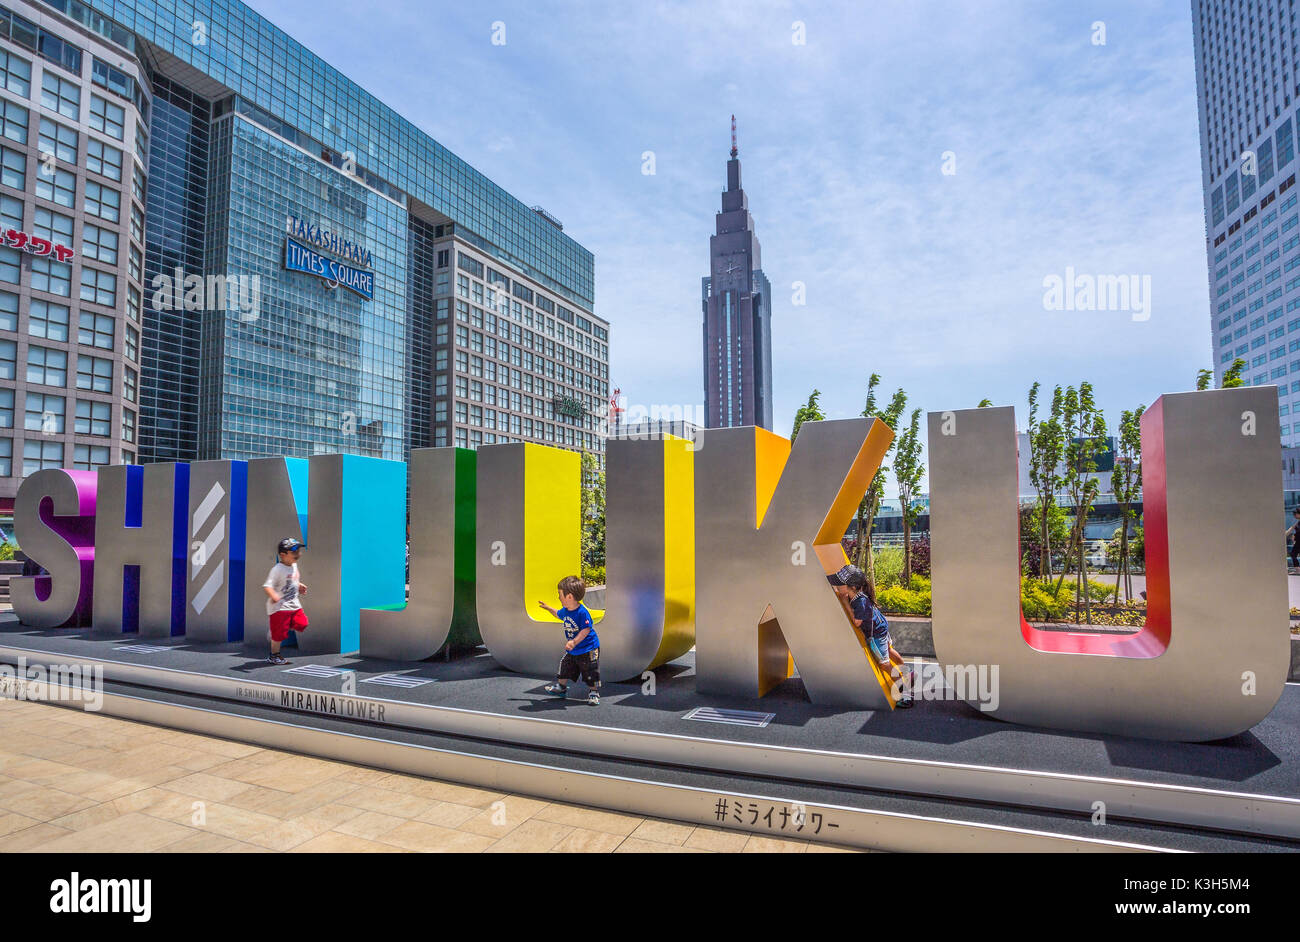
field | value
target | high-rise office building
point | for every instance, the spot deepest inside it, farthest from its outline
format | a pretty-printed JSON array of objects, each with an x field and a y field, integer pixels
[
  {"x": 737, "y": 304},
  {"x": 1249, "y": 91},
  {"x": 217, "y": 246}
]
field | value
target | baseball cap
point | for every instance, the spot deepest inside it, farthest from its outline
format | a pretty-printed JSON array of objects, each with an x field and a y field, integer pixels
[
  {"x": 289, "y": 544},
  {"x": 842, "y": 576}
]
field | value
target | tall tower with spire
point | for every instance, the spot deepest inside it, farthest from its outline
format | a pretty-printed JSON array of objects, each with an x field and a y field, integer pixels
[{"x": 736, "y": 301}]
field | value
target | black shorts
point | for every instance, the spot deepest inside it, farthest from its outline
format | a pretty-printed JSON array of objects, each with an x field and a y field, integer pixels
[{"x": 585, "y": 665}]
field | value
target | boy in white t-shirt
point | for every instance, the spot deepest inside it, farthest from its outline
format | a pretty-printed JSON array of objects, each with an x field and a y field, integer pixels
[{"x": 283, "y": 590}]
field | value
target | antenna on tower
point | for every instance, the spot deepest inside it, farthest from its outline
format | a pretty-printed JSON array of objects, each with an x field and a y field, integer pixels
[{"x": 733, "y": 137}]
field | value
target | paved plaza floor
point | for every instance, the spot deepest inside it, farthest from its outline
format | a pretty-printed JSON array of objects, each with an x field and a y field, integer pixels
[{"x": 72, "y": 781}]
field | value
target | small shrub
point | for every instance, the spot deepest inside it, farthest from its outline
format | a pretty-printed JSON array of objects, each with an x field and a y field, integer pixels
[
  {"x": 889, "y": 565},
  {"x": 899, "y": 601},
  {"x": 7, "y": 550},
  {"x": 593, "y": 575},
  {"x": 1038, "y": 604},
  {"x": 921, "y": 557}
]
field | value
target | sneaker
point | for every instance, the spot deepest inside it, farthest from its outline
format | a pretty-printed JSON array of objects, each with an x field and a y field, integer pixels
[
  {"x": 277, "y": 659},
  {"x": 906, "y": 703},
  {"x": 556, "y": 690},
  {"x": 594, "y": 698}
]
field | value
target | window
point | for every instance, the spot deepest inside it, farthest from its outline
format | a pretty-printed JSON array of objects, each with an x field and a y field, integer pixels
[
  {"x": 13, "y": 121},
  {"x": 47, "y": 367},
  {"x": 137, "y": 223},
  {"x": 13, "y": 172},
  {"x": 6, "y": 408},
  {"x": 89, "y": 457},
  {"x": 115, "y": 80},
  {"x": 57, "y": 50},
  {"x": 103, "y": 159},
  {"x": 107, "y": 117},
  {"x": 48, "y": 320},
  {"x": 103, "y": 201},
  {"x": 10, "y": 267},
  {"x": 99, "y": 244},
  {"x": 132, "y": 346},
  {"x": 58, "y": 140},
  {"x": 59, "y": 187},
  {"x": 38, "y": 455},
  {"x": 471, "y": 265},
  {"x": 61, "y": 95},
  {"x": 128, "y": 425},
  {"x": 54, "y": 277},
  {"x": 8, "y": 359},
  {"x": 128, "y": 384},
  {"x": 15, "y": 74},
  {"x": 44, "y": 414},
  {"x": 95, "y": 374},
  {"x": 8, "y": 311},
  {"x": 98, "y": 287},
  {"x": 94, "y": 418},
  {"x": 53, "y": 226},
  {"x": 96, "y": 330}
]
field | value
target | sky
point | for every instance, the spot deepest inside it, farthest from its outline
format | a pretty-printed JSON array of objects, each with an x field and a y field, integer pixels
[{"x": 1068, "y": 131}]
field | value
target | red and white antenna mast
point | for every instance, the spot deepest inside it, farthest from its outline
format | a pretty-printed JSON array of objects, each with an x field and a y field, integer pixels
[{"x": 734, "y": 152}]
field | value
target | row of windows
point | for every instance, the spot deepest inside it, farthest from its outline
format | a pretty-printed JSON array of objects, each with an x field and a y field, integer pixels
[
  {"x": 49, "y": 367},
  {"x": 46, "y": 414},
  {"x": 39, "y": 455},
  {"x": 97, "y": 287}
]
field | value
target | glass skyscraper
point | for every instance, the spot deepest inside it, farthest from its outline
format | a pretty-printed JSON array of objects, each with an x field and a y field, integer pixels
[
  {"x": 1249, "y": 95},
  {"x": 221, "y": 247}
]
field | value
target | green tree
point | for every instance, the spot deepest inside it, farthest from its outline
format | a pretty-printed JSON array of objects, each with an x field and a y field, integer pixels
[
  {"x": 1031, "y": 521},
  {"x": 593, "y": 518},
  {"x": 1126, "y": 483},
  {"x": 1086, "y": 426},
  {"x": 809, "y": 412},
  {"x": 1204, "y": 378},
  {"x": 1046, "y": 449},
  {"x": 908, "y": 471},
  {"x": 1232, "y": 375},
  {"x": 869, "y": 506},
  {"x": 984, "y": 403}
]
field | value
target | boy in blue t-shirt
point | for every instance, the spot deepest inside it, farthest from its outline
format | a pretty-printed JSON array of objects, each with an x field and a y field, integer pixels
[
  {"x": 581, "y": 645},
  {"x": 851, "y": 585}
]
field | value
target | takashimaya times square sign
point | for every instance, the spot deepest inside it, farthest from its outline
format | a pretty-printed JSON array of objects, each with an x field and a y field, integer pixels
[{"x": 722, "y": 544}]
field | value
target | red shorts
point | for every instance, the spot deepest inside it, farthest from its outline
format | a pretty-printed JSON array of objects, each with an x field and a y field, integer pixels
[{"x": 294, "y": 619}]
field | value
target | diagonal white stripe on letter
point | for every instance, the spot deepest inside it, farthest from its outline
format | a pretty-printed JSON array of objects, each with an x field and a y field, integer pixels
[
  {"x": 209, "y": 504},
  {"x": 210, "y": 588}
]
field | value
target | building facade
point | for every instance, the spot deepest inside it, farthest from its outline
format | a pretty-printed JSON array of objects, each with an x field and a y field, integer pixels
[
  {"x": 1248, "y": 89},
  {"x": 215, "y": 245},
  {"x": 736, "y": 299},
  {"x": 72, "y": 195}
]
